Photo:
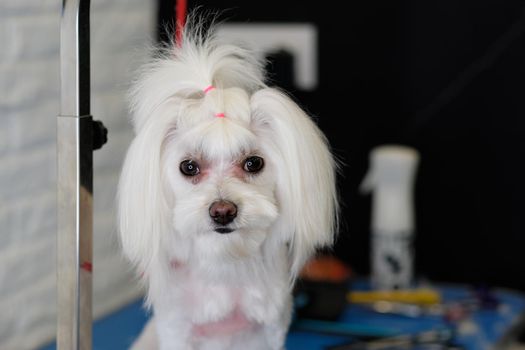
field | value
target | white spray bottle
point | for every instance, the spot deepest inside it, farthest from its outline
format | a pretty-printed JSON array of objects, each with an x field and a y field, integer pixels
[{"x": 391, "y": 178}]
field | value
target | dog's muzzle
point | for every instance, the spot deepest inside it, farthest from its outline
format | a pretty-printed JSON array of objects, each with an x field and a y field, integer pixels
[{"x": 223, "y": 213}]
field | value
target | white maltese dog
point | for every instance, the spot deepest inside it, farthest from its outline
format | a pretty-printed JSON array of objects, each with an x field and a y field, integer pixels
[{"x": 226, "y": 190}]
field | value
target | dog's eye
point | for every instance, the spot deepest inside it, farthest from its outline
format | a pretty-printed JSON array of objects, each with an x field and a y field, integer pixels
[
  {"x": 189, "y": 167},
  {"x": 253, "y": 164}
]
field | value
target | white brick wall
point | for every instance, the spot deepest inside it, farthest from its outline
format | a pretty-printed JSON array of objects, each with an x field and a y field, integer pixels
[{"x": 29, "y": 103}]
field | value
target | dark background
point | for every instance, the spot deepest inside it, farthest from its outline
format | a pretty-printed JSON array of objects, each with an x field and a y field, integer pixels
[{"x": 446, "y": 77}]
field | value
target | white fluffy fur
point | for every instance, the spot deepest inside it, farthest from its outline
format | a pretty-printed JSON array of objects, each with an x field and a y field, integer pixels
[{"x": 196, "y": 276}]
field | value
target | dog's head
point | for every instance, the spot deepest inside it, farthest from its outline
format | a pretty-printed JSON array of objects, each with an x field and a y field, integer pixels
[{"x": 221, "y": 163}]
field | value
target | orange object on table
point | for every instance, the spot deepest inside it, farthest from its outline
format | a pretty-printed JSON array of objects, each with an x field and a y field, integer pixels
[{"x": 326, "y": 268}]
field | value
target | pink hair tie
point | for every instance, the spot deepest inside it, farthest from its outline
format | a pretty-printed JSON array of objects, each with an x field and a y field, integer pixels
[{"x": 208, "y": 89}]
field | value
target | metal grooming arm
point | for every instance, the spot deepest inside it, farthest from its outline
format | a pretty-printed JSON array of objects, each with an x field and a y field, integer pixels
[{"x": 77, "y": 136}]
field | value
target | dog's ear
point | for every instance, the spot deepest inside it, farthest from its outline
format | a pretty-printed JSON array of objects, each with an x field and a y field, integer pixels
[
  {"x": 306, "y": 174},
  {"x": 143, "y": 208}
]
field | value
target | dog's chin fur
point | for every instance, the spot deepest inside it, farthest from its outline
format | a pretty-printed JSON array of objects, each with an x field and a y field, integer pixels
[{"x": 222, "y": 286}]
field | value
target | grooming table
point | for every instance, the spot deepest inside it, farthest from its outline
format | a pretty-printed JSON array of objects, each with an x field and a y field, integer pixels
[{"x": 483, "y": 329}]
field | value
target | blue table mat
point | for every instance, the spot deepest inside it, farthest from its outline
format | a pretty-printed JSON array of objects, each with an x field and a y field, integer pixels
[{"x": 482, "y": 329}]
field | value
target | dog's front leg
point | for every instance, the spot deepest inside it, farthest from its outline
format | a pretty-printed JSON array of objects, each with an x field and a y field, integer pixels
[
  {"x": 275, "y": 332},
  {"x": 174, "y": 332}
]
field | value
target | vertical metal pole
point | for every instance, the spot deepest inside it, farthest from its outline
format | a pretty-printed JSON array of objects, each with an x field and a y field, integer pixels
[{"x": 75, "y": 181}]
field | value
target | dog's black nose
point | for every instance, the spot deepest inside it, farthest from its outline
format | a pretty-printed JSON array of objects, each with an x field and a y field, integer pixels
[{"x": 223, "y": 212}]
